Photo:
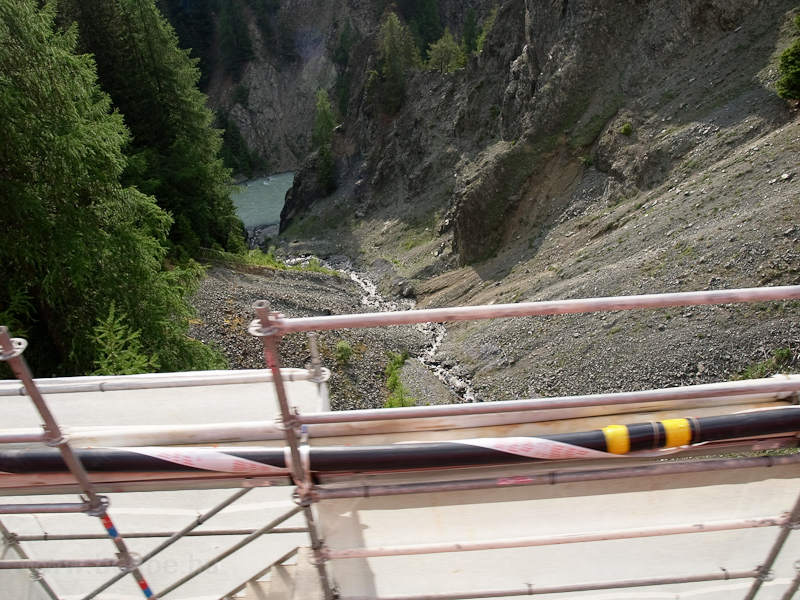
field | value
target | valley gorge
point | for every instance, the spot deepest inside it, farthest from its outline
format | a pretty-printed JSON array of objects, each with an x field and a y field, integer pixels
[{"x": 630, "y": 148}]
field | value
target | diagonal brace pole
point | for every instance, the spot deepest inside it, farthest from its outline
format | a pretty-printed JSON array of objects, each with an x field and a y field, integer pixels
[
  {"x": 764, "y": 570},
  {"x": 11, "y": 352},
  {"x": 174, "y": 538},
  {"x": 11, "y": 540}
]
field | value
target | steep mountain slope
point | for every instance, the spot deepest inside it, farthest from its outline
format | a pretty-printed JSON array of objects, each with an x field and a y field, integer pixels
[
  {"x": 272, "y": 104},
  {"x": 589, "y": 150}
]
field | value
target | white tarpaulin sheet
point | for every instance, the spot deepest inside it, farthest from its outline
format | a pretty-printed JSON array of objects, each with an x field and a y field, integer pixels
[{"x": 566, "y": 509}]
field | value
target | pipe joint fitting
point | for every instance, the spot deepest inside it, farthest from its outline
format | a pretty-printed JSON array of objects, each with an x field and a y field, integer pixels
[
  {"x": 129, "y": 562},
  {"x": 99, "y": 508},
  {"x": 18, "y": 346},
  {"x": 304, "y": 496},
  {"x": 56, "y": 438},
  {"x": 319, "y": 556},
  {"x": 765, "y": 576}
]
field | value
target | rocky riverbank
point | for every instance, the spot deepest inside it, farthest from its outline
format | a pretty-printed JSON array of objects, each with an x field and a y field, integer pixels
[{"x": 224, "y": 304}]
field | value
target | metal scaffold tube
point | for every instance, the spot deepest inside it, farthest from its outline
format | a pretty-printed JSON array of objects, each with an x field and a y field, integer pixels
[
  {"x": 174, "y": 538},
  {"x": 533, "y": 309},
  {"x": 60, "y": 537},
  {"x": 253, "y": 536},
  {"x": 784, "y": 386},
  {"x": 63, "y": 564},
  {"x": 155, "y": 381},
  {"x": 530, "y": 590},
  {"x": 556, "y": 477},
  {"x": 12, "y": 540},
  {"x": 573, "y": 538},
  {"x": 11, "y": 352},
  {"x": 793, "y": 587},
  {"x": 37, "y": 509},
  {"x": 791, "y": 522},
  {"x": 264, "y": 328},
  {"x": 230, "y": 595}
]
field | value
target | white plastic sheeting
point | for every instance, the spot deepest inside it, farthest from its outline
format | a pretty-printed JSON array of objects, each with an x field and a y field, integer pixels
[
  {"x": 568, "y": 509},
  {"x": 156, "y": 511}
]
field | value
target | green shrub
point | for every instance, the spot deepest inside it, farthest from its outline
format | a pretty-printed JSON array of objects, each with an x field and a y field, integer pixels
[
  {"x": 788, "y": 86},
  {"x": 399, "y": 393},
  {"x": 343, "y": 352},
  {"x": 241, "y": 94},
  {"x": 626, "y": 129},
  {"x": 487, "y": 27},
  {"x": 119, "y": 349},
  {"x": 445, "y": 55},
  {"x": 783, "y": 360}
]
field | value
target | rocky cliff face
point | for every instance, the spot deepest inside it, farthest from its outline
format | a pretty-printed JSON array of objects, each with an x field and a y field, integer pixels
[
  {"x": 590, "y": 149},
  {"x": 278, "y": 117}
]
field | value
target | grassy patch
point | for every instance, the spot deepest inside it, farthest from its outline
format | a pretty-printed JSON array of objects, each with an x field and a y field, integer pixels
[
  {"x": 783, "y": 360},
  {"x": 587, "y": 133},
  {"x": 257, "y": 258},
  {"x": 399, "y": 396},
  {"x": 343, "y": 352}
]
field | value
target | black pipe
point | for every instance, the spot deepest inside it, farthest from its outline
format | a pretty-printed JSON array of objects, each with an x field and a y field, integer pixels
[{"x": 617, "y": 439}]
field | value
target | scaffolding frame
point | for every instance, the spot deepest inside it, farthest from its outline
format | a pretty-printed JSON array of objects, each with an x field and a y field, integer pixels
[{"x": 270, "y": 326}]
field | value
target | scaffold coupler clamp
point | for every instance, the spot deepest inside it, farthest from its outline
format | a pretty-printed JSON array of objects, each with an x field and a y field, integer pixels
[
  {"x": 98, "y": 508},
  {"x": 18, "y": 345},
  {"x": 319, "y": 555},
  {"x": 765, "y": 576},
  {"x": 129, "y": 562},
  {"x": 304, "y": 494},
  {"x": 10, "y": 539},
  {"x": 56, "y": 438},
  {"x": 267, "y": 323}
]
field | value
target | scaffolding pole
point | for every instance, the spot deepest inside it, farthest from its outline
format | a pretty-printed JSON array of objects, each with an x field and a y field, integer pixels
[
  {"x": 12, "y": 540},
  {"x": 530, "y": 590},
  {"x": 11, "y": 352},
  {"x": 551, "y": 540},
  {"x": 174, "y": 538},
  {"x": 63, "y": 564},
  {"x": 39, "y": 509},
  {"x": 62, "y": 537},
  {"x": 764, "y": 571},
  {"x": 556, "y": 477},
  {"x": 783, "y": 386},
  {"x": 535, "y": 309},
  {"x": 255, "y": 535},
  {"x": 790, "y": 591},
  {"x": 264, "y": 327},
  {"x": 152, "y": 381}
]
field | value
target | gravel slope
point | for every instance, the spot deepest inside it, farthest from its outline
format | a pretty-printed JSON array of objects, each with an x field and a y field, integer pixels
[{"x": 224, "y": 304}]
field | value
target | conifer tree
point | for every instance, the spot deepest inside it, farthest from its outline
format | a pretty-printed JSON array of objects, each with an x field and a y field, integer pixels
[
  {"x": 469, "y": 38},
  {"x": 173, "y": 151},
  {"x": 234, "y": 38},
  {"x": 445, "y": 55},
  {"x": 324, "y": 124},
  {"x": 75, "y": 241},
  {"x": 396, "y": 55}
]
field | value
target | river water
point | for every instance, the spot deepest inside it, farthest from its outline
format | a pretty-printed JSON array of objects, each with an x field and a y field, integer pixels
[
  {"x": 260, "y": 201},
  {"x": 435, "y": 333}
]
